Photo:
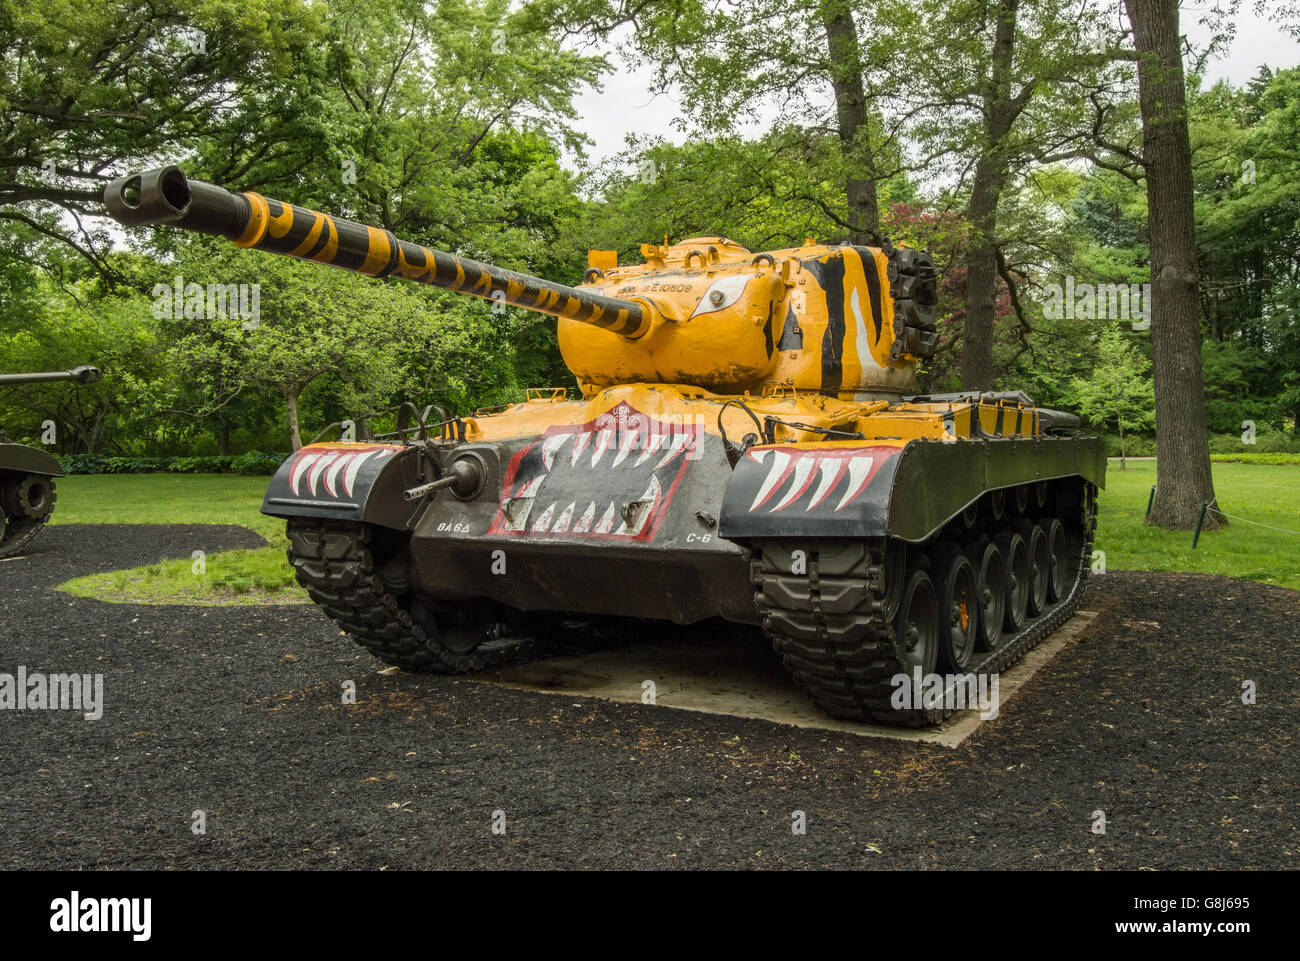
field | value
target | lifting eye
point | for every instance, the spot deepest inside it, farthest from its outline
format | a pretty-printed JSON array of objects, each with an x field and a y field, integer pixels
[{"x": 724, "y": 292}]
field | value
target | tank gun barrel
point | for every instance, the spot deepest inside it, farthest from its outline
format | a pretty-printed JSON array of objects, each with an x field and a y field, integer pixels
[
  {"x": 247, "y": 219},
  {"x": 82, "y": 375}
]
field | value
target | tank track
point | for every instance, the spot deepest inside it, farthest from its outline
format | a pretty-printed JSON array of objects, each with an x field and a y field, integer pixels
[
  {"x": 834, "y": 632},
  {"x": 336, "y": 563},
  {"x": 14, "y": 536},
  {"x": 18, "y": 536}
]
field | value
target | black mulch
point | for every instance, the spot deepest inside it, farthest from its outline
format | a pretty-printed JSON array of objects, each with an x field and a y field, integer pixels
[{"x": 238, "y": 712}]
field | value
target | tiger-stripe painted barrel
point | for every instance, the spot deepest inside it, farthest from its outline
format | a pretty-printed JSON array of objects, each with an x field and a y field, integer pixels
[{"x": 166, "y": 196}]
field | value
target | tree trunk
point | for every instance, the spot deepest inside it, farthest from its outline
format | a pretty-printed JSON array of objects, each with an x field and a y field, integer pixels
[
  {"x": 851, "y": 112},
  {"x": 291, "y": 399},
  {"x": 1183, "y": 480},
  {"x": 223, "y": 439},
  {"x": 1000, "y": 111},
  {"x": 1123, "y": 461}
]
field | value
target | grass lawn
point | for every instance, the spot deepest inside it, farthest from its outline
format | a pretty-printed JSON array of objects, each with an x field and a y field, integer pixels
[
  {"x": 260, "y": 576},
  {"x": 1267, "y": 493}
]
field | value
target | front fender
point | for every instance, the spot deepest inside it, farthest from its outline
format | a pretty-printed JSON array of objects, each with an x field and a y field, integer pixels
[
  {"x": 873, "y": 490},
  {"x": 356, "y": 482},
  {"x": 28, "y": 460}
]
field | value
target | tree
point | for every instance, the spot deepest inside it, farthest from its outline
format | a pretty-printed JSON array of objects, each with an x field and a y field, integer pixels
[
  {"x": 1119, "y": 390},
  {"x": 90, "y": 90},
  {"x": 1184, "y": 482}
]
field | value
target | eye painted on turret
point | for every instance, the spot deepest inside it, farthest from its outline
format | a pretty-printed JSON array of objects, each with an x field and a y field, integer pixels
[{"x": 722, "y": 293}]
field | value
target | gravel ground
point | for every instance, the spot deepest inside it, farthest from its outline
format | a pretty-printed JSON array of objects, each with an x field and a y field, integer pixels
[{"x": 237, "y": 712}]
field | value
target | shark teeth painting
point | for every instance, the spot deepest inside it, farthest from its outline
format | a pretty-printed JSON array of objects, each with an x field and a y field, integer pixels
[
  {"x": 805, "y": 479},
  {"x": 612, "y": 477},
  {"x": 321, "y": 471}
]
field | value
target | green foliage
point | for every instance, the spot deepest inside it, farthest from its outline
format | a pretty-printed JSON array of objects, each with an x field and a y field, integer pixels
[
  {"x": 252, "y": 463},
  {"x": 1119, "y": 389}
]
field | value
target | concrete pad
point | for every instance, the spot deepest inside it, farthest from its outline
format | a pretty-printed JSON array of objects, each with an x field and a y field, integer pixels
[{"x": 723, "y": 676}]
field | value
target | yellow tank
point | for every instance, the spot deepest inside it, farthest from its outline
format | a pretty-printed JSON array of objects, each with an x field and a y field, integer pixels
[{"x": 742, "y": 446}]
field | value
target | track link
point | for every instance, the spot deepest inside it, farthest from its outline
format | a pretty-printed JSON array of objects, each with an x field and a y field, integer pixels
[
  {"x": 336, "y": 563},
  {"x": 832, "y": 625}
]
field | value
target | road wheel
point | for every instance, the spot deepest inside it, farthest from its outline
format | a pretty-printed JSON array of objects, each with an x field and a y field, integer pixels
[
  {"x": 991, "y": 589},
  {"x": 958, "y": 613},
  {"x": 1057, "y": 581},
  {"x": 1040, "y": 568},
  {"x": 916, "y": 628},
  {"x": 1015, "y": 554}
]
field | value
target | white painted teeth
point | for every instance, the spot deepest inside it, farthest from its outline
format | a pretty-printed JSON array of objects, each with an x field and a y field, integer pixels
[
  {"x": 802, "y": 467},
  {"x": 324, "y": 469},
  {"x": 584, "y": 522},
  {"x": 802, "y": 475},
  {"x": 350, "y": 473},
  {"x": 580, "y": 442},
  {"x": 831, "y": 469},
  {"x": 676, "y": 445},
  {"x": 859, "y": 476},
  {"x": 299, "y": 468},
  {"x": 775, "y": 474},
  {"x": 655, "y": 443},
  {"x": 610, "y": 448},
  {"x": 606, "y": 521},
  {"x": 629, "y": 441},
  {"x": 551, "y": 446},
  {"x": 543, "y": 523},
  {"x": 603, "y": 440},
  {"x": 562, "y": 522}
]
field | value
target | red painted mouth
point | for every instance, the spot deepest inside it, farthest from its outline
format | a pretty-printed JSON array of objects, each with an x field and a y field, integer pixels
[{"x": 612, "y": 477}]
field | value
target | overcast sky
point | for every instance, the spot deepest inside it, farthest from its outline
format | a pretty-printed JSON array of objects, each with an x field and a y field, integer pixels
[{"x": 625, "y": 105}]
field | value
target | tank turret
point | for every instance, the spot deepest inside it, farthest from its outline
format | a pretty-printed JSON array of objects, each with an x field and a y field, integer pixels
[{"x": 841, "y": 320}]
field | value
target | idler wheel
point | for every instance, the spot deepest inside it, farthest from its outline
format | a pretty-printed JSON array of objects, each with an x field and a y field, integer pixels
[
  {"x": 991, "y": 590},
  {"x": 958, "y": 612},
  {"x": 916, "y": 627},
  {"x": 1015, "y": 553},
  {"x": 30, "y": 497}
]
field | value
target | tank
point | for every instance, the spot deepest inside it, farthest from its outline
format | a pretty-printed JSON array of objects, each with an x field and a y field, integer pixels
[
  {"x": 742, "y": 445},
  {"x": 27, "y": 473}
]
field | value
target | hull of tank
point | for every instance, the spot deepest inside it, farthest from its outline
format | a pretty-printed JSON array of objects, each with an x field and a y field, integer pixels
[{"x": 627, "y": 503}]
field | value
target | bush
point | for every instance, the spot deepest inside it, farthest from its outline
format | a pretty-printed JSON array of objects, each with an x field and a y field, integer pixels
[
  {"x": 1255, "y": 458},
  {"x": 1266, "y": 442},
  {"x": 255, "y": 462},
  {"x": 1135, "y": 445}
]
